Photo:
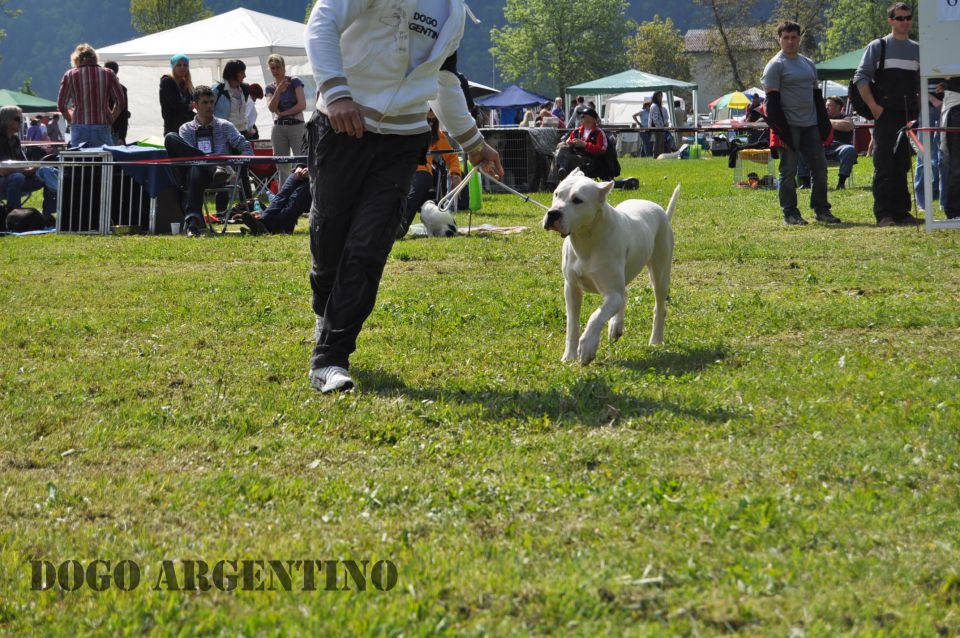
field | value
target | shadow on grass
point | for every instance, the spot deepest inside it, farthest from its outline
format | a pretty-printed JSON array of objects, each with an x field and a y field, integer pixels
[
  {"x": 588, "y": 399},
  {"x": 666, "y": 362}
]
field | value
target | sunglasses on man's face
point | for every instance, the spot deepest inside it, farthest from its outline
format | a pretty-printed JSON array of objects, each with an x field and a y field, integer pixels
[{"x": 903, "y": 18}]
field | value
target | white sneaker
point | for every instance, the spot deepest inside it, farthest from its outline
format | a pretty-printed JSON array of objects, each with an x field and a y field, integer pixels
[{"x": 331, "y": 379}]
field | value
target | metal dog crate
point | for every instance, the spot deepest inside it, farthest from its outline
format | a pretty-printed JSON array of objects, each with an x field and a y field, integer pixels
[
  {"x": 755, "y": 168},
  {"x": 83, "y": 201},
  {"x": 129, "y": 203},
  {"x": 526, "y": 154},
  {"x": 93, "y": 198}
]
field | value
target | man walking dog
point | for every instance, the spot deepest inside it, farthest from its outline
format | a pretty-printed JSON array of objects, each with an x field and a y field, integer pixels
[{"x": 377, "y": 64}]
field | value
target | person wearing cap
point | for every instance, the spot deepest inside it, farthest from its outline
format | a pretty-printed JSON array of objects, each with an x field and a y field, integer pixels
[
  {"x": 176, "y": 94},
  {"x": 584, "y": 146}
]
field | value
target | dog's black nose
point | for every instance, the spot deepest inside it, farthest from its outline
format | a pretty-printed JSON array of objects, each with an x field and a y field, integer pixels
[{"x": 552, "y": 217}]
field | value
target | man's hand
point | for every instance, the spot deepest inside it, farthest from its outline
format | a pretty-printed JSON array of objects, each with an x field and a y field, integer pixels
[
  {"x": 487, "y": 159},
  {"x": 301, "y": 173},
  {"x": 345, "y": 117},
  {"x": 876, "y": 109}
]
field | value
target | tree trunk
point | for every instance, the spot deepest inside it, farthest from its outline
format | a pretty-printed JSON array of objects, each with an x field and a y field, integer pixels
[{"x": 726, "y": 47}]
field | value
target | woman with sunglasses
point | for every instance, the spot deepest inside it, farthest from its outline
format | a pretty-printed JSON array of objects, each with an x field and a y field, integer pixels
[
  {"x": 897, "y": 101},
  {"x": 176, "y": 94},
  {"x": 14, "y": 182}
]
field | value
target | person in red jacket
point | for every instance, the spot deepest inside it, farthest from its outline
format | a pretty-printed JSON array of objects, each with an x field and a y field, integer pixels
[{"x": 584, "y": 147}]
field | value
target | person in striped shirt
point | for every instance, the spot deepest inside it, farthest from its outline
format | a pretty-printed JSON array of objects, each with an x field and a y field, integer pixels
[{"x": 86, "y": 92}]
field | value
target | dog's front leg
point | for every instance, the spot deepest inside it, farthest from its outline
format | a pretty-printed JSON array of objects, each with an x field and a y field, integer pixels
[
  {"x": 590, "y": 341},
  {"x": 615, "y": 327},
  {"x": 573, "y": 298}
]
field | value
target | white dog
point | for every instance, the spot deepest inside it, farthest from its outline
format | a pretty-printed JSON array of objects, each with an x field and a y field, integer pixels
[{"x": 603, "y": 250}]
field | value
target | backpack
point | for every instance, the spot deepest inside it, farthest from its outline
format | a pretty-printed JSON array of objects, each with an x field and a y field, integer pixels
[
  {"x": 220, "y": 88},
  {"x": 611, "y": 159},
  {"x": 22, "y": 220},
  {"x": 853, "y": 93}
]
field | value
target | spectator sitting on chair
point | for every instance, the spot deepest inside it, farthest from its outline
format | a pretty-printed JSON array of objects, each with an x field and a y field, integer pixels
[
  {"x": 423, "y": 186},
  {"x": 839, "y": 148},
  {"x": 584, "y": 147},
  {"x": 204, "y": 135},
  {"x": 15, "y": 181}
]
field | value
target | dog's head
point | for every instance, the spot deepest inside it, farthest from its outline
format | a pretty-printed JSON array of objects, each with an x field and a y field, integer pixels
[{"x": 576, "y": 203}]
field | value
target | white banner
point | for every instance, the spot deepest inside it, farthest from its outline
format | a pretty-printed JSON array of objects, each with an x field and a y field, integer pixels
[{"x": 949, "y": 9}]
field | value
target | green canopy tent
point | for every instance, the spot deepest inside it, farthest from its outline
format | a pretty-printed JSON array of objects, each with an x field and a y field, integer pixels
[
  {"x": 634, "y": 80},
  {"x": 841, "y": 67},
  {"x": 27, "y": 103}
]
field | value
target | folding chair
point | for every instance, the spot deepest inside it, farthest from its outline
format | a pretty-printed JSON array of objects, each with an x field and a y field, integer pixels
[{"x": 265, "y": 177}]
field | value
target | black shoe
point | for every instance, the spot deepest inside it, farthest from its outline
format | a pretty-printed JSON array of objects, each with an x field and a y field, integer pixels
[
  {"x": 907, "y": 220},
  {"x": 195, "y": 226},
  {"x": 221, "y": 175},
  {"x": 794, "y": 220},
  {"x": 885, "y": 222},
  {"x": 842, "y": 182},
  {"x": 828, "y": 218},
  {"x": 255, "y": 225}
]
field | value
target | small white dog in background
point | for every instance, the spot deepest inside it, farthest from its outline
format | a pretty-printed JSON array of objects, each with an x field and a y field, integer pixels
[
  {"x": 604, "y": 248},
  {"x": 439, "y": 223}
]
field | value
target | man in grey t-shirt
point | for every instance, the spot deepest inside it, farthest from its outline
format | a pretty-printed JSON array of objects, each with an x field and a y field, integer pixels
[{"x": 790, "y": 80}]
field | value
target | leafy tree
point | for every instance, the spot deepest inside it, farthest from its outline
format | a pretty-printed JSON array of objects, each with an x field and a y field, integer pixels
[
  {"x": 553, "y": 44},
  {"x": 851, "y": 24},
  {"x": 27, "y": 86},
  {"x": 810, "y": 15},
  {"x": 10, "y": 13},
  {"x": 151, "y": 16},
  {"x": 658, "y": 48},
  {"x": 731, "y": 20}
]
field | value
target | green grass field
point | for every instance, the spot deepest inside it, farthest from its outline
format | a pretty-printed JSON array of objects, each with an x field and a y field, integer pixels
[{"x": 786, "y": 464}]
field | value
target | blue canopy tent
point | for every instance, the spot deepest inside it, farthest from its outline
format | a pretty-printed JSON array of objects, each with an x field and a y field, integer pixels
[{"x": 510, "y": 101}]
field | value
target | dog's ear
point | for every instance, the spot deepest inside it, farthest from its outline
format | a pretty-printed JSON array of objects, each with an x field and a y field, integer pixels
[
  {"x": 576, "y": 172},
  {"x": 605, "y": 188}
]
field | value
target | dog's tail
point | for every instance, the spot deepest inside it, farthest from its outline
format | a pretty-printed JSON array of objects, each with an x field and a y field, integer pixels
[{"x": 673, "y": 202}]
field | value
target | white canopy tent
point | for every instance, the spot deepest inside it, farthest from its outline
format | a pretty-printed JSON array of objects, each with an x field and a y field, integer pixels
[
  {"x": 239, "y": 34},
  {"x": 619, "y": 109}
]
